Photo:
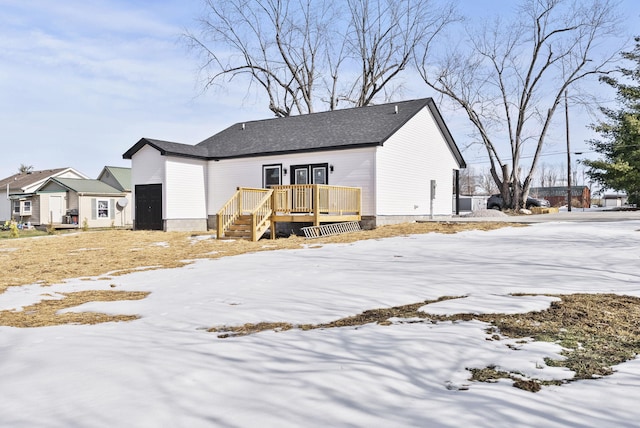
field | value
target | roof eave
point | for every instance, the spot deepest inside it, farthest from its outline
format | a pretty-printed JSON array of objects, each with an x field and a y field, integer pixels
[{"x": 287, "y": 152}]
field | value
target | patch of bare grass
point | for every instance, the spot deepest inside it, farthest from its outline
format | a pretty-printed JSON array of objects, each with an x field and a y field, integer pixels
[
  {"x": 379, "y": 316},
  {"x": 46, "y": 312},
  {"x": 598, "y": 331}
]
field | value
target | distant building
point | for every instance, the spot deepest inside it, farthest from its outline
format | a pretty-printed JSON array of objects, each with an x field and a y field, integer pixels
[
  {"x": 614, "y": 199},
  {"x": 557, "y": 195}
]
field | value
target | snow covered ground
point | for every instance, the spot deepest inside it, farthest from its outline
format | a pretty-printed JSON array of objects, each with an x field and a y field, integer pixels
[{"x": 166, "y": 370}]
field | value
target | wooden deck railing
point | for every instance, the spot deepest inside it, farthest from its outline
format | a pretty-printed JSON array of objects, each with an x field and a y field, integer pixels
[
  {"x": 310, "y": 198},
  {"x": 301, "y": 202},
  {"x": 261, "y": 215}
]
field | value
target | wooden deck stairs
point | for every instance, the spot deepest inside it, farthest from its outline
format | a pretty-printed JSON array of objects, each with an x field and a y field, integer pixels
[{"x": 240, "y": 228}]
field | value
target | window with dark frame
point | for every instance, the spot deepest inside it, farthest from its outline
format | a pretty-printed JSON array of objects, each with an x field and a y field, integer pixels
[
  {"x": 310, "y": 174},
  {"x": 271, "y": 175}
]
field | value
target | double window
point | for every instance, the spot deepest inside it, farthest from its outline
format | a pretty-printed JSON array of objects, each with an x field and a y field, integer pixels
[
  {"x": 310, "y": 174},
  {"x": 22, "y": 207}
]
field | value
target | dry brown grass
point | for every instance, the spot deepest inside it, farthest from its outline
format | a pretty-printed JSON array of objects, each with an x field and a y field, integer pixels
[
  {"x": 52, "y": 259},
  {"x": 45, "y": 313}
]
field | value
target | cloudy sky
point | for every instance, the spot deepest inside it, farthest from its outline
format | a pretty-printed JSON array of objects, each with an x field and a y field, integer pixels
[{"x": 82, "y": 80}]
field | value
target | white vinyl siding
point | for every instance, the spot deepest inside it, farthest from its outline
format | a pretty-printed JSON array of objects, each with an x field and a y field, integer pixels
[
  {"x": 407, "y": 162},
  {"x": 353, "y": 168},
  {"x": 147, "y": 166},
  {"x": 184, "y": 188}
]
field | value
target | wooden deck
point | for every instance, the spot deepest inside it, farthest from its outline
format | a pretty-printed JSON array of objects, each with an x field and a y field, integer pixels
[{"x": 250, "y": 212}]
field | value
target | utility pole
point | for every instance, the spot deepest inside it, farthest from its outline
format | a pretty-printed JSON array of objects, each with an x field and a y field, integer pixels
[{"x": 566, "y": 117}]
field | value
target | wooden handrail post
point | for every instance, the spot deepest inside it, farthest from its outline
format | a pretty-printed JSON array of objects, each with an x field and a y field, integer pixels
[
  {"x": 316, "y": 205},
  {"x": 253, "y": 228}
]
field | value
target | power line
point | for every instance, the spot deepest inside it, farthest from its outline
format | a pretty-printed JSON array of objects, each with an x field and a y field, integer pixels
[{"x": 486, "y": 160}]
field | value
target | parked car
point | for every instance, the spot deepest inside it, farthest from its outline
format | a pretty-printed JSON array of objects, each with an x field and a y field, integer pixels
[{"x": 495, "y": 202}]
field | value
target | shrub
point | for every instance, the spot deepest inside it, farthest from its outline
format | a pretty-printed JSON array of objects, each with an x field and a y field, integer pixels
[{"x": 13, "y": 228}]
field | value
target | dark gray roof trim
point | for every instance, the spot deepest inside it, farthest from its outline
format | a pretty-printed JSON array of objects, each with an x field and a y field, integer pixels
[
  {"x": 332, "y": 130},
  {"x": 168, "y": 148}
]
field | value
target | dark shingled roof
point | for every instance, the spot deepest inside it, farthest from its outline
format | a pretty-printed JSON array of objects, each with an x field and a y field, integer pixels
[
  {"x": 168, "y": 148},
  {"x": 331, "y": 130}
]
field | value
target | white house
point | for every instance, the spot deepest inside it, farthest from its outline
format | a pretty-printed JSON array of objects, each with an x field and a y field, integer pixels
[
  {"x": 21, "y": 202},
  {"x": 394, "y": 153},
  {"x": 104, "y": 202}
]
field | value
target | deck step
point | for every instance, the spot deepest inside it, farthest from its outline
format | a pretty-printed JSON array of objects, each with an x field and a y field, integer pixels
[
  {"x": 240, "y": 229},
  {"x": 331, "y": 229}
]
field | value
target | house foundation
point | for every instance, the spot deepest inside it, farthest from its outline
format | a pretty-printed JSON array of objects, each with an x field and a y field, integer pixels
[{"x": 186, "y": 225}]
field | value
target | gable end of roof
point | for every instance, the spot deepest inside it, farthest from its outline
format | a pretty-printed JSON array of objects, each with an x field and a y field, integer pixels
[{"x": 167, "y": 148}]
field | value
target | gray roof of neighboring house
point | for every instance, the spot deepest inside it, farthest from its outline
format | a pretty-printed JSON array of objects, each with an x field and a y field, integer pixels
[
  {"x": 331, "y": 130},
  {"x": 21, "y": 180},
  {"x": 83, "y": 185},
  {"x": 120, "y": 174}
]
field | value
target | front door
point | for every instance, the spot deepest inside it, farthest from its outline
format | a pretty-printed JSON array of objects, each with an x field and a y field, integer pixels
[
  {"x": 148, "y": 207},
  {"x": 307, "y": 174},
  {"x": 300, "y": 174},
  {"x": 55, "y": 210},
  {"x": 319, "y": 174}
]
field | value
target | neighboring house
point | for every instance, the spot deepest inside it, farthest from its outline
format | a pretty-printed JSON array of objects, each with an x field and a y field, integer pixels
[
  {"x": 21, "y": 203},
  {"x": 104, "y": 202},
  {"x": 614, "y": 200},
  {"x": 557, "y": 195},
  {"x": 116, "y": 177},
  {"x": 392, "y": 153}
]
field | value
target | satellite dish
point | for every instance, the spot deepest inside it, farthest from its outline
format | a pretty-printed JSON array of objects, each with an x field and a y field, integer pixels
[{"x": 122, "y": 202}]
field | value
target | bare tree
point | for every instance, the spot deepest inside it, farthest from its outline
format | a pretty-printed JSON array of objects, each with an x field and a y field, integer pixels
[
  {"x": 25, "y": 169},
  {"x": 304, "y": 52},
  {"x": 542, "y": 171},
  {"x": 468, "y": 181},
  {"x": 548, "y": 175},
  {"x": 383, "y": 37},
  {"x": 512, "y": 78},
  {"x": 486, "y": 183},
  {"x": 278, "y": 47}
]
